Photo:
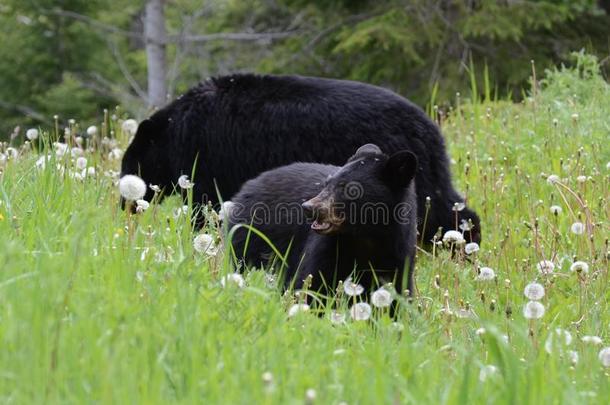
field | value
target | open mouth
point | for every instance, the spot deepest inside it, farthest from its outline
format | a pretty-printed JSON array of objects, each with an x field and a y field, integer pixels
[{"x": 324, "y": 227}]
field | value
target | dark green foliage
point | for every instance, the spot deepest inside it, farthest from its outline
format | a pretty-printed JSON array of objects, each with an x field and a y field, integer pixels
[{"x": 53, "y": 63}]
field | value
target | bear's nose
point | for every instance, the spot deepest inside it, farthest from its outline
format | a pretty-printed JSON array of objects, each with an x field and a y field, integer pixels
[{"x": 309, "y": 205}]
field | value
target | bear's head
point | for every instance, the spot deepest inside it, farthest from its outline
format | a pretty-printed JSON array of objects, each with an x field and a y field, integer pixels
[
  {"x": 148, "y": 157},
  {"x": 366, "y": 194}
]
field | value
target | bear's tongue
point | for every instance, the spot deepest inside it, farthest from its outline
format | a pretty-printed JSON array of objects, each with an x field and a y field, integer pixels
[{"x": 320, "y": 226}]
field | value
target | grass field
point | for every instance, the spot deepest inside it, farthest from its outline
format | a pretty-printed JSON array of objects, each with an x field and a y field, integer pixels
[{"x": 100, "y": 307}]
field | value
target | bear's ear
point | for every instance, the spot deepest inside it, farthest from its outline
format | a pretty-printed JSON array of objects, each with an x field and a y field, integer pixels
[
  {"x": 400, "y": 169},
  {"x": 368, "y": 149}
]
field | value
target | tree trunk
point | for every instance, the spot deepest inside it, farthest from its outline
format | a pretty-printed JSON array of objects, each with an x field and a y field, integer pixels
[{"x": 154, "y": 33}]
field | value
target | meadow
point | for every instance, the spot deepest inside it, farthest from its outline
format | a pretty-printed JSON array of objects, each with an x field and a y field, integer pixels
[{"x": 98, "y": 306}]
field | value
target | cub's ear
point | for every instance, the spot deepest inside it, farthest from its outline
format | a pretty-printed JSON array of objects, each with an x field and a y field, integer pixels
[
  {"x": 368, "y": 149},
  {"x": 400, "y": 169}
]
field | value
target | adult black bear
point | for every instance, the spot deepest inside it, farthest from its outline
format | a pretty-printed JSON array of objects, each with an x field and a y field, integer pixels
[
  {"x": 362, "y": 219},
  {"x": 230, "y": 129}
]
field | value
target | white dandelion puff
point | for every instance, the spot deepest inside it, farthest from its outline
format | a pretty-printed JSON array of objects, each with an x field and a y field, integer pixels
[
  {"x": 155, "y": 188},
  {"x": 92, "y": 130},
  {"x": 577, "y": 228},
  {"x": 204, "y": 243},
  {"x": 32, "y": 134},
  {"x": 142, "y": 205},
  {"x": 533, "y": 310},
  {"x": 573, "y": 356},
  {"x": 129, "y": 126},
  {"x": 132, "y": 187},
  {"x": 4, "y": 159},
  {"x": 487, "y": 371},
  {"x": 534, "y": 291},
  {"x": 225, "y": 210},
  {"x": 310, "y": 395},
  {"x": 235, "y": 279},
  {"x": 352, "y": 289},
  {"x": 594, "y": 340},
  {"x": 360, "y": 311},
  {"x": 579, "y": 267},
  {"x": 296, "y": 309},
  {"x": 337, "y": 317},
  {"x": 552, "y": 179},
  {"x": 555, "y": 209},
  {"x": 486, "y": 274},
  {"x": 115, "y": 154},
  {"x": 381, "y": 298},
  {"x": 459, "y": 206},
  {"x": 557, "y": 340},
  {"x": 60, "y": 148},
  {"x": 465, "y": 225},
  {"x": 545, "y": 267},
  {"x": 81, "y": 163},
  {"x": 471, "y": 248},
  {"x": 184, "y": 182},
  {"x": 581, "y": 179},
  {"x": 453, "y": 237},
  {"x": 604, "y": 356},
  {"x": 398, "y": 327},
  {"x": 178, "y": 212},
  {"x": 480, "y": 331}
]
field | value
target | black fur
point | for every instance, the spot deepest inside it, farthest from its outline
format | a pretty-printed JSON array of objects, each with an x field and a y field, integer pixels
[
  {"x": 371, "y": 199},
  {"x": 233, "y": 128}
]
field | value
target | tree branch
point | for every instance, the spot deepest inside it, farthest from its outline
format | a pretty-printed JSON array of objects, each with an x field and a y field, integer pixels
[{"x": 24, "y": 109}]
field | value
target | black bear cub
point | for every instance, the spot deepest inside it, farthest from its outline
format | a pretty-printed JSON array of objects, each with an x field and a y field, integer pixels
[{"x": 333, "y": 222}]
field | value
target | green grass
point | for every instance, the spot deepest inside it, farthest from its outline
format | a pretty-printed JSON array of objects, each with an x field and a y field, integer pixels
[{"x": 84, "y": 319}]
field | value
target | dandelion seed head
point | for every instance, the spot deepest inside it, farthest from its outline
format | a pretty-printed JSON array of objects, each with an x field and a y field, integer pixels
[
  {"x": 579, "y": 267},
  {"x": 225, "y": 210},
  {"x": 545, "y": 267},
  {"x": 115, "y": 154},
  {"x": 486, "y": 274},
  {"x": 204, "y": 243},
  {"x": 465, "y": 226},
  {"x": 381, "y": 298},
  {"x": 129, "y": 127},
  {"x": 155, "y": 188},
  {"x": 361, "y": 311},
  {"x": 459, "y": 206},
  {"x": 557, "y": 340},
  {"x": 296, "y": 309},
  {"x": 92, "y": 130},
  {"x": 581, "y": 179},
  {"x": 233, "y": 279},
  {"x": 31, "y": 134},
  {"x": 487, "y": 371},
  {"x": 534, "y": 291},
  {"x": 594, "y": 340},
  {"x": 604, "y": 356},
  {"x": 60, "y": 148},
  {"x": 471, "y": 248},
  {"x": 132, "y": 187},
  {"x": 577, "y": 228},
  {"x": 142, "y": 205},
  {"x": 81, "y": 163},
  {"x": 454, "y": 237},
  {"x": 337, "y": 317},
  {"x": 573, "y": 356},
  {"x": 184, "y": 182},
  {"x": 352, "y": 289},
  {"x": 533, "y": 310},
  {"x": 555, "y": 209},
  {"x": 552, "y": 179}
]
